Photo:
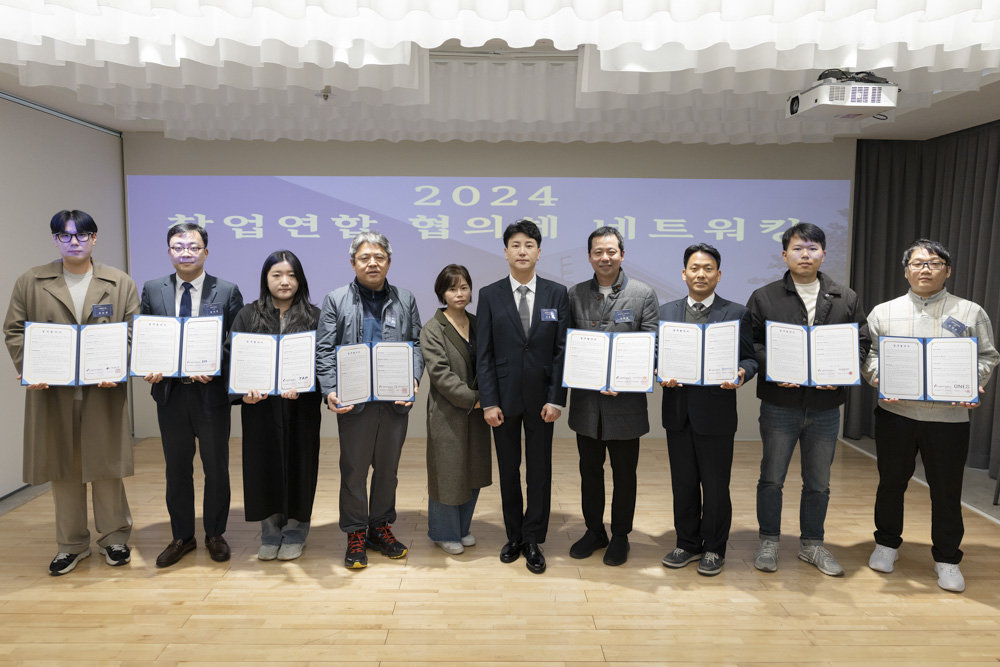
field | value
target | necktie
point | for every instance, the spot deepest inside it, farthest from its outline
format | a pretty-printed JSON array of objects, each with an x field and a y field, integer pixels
[
  {"x": 185, "y": 310},
  {"x": 522, "y": 308},
  {"x": 698, "y": 307}
]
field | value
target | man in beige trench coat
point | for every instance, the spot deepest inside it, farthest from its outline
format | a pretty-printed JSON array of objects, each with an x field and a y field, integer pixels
[{"x": 76, "y": 435}]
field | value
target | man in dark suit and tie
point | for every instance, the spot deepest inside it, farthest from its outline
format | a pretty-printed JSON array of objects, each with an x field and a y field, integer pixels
[
  {"x": 196, "y": 406},
  {"x": 521, "y": 330},
  {"x": 701, "y": 422}
]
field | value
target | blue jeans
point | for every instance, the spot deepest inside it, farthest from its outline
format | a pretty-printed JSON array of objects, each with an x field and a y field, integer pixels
[
  {"x": 278, "y": 528},
  {"x": 450, "y": 523},
  {"x": 816, "y": 431}
]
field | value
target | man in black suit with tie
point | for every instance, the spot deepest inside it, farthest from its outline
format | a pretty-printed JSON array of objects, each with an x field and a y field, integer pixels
[
  {"x": 521, "y": 330},
  {"x": 701, "y": 423},
  {"x": 196, "y": 406}
]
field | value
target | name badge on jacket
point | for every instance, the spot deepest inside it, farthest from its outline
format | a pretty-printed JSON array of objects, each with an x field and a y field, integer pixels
[
  {"x": 390, "y": 320},
  {"x": 210, "y": 309},
  {"x": 954, "y": 326},
  {"x": 549, "y": 315},
  {"x": 102, "y": 310},
  {"x": 622, "y": 316}
]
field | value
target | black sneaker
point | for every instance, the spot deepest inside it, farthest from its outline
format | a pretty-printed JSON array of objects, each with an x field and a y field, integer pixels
[
  {"x": 711, "y": 564},
  {"x": 65, "y": 562},
  {"x": 588, "y": 544},
  {"x": 617, "y": 551},
  {"x": 356, "y": 557},
  {"x": 117, "y": 554},
  {"x": 679, "y": 558},
  {"x": 380, "y": 537}
]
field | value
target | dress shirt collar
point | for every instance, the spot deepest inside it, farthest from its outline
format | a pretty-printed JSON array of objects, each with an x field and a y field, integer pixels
[
  {"x": 709, "y": 300},
  {"x": 531, "y": 283},
  {"x": 195, "y": 284}
]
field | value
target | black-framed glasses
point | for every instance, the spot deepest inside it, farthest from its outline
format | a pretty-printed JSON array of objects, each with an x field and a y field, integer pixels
[
  {"x": 81, "y": 237},
  {"x": 933, "y": 265}
]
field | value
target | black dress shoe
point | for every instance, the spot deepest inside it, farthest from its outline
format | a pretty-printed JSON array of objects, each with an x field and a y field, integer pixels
[
  {"x": 175, "y": 551},
  {"x": 218, "y": 548},
  {"x": 533, "y": 557},
  {"x": 510, "y": 552},
  {"x": 588, "y": 544}
]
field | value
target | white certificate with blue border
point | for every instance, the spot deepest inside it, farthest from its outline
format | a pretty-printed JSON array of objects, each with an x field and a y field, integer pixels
[
  {"x": 297, "y": 362},
  {"x": 49, "y": 354},
  {"x": 585, "y": 359},
  {"x": 632, "y": 355},
  {"x": 156, "y": 345},
  {"x": 392, "y": 371},
  {"x": 103, "y": 353},
  {"x": 252, "y": 363}
]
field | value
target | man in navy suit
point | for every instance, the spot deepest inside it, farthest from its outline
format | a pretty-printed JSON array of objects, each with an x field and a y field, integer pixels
[
  {"x": 701, "y": 422},
  {"x": 196, "y": 406},
  {"x": 521, "y": 330}
]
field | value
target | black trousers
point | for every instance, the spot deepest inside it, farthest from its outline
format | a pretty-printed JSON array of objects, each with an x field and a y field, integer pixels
[
  {"x": 624, "y": 456},
  {"x": 943, "y": 448},
  {"x": 186, "y": 416},
  {"x": 371, "y": 439},
  {"x": 700, "y": 467},
  {"x": 525, "y": 523}
]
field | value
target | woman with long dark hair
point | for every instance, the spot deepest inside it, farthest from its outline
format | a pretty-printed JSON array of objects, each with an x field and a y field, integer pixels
[{"x": 280, "y": 433}]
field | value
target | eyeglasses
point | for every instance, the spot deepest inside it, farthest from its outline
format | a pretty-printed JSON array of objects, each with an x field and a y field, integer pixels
[
  {"x": 81, "y": 237},
  {"x": 379, "y": 258},
  {"x": 181, "y": 249},
  {"x": 933, "y": 265}
]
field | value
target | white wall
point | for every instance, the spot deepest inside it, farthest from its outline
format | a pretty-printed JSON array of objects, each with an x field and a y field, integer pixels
[
  {"x": 48, "y": 164},
  {"x": 152, "y": 154}
]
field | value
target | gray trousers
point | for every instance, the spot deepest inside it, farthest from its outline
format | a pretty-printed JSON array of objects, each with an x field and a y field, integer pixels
[
  {"x": 112, "y": 518},
  {"x": 372, "y": 438}
]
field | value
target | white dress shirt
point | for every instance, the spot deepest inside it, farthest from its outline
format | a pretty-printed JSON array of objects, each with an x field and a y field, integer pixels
[
  {"x": 530, "y": 296},
  {"x": 196, "y": 291}
]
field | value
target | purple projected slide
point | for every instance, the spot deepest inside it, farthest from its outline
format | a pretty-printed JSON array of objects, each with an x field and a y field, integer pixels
[{"x": 434, "y": 221}]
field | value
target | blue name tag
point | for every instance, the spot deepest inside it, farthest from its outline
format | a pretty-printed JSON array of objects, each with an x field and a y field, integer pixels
[
  {"x": 102, "y": 310},
  {"x": 210, "y": 309},
  {"x": 954, "y": 326},
  {"x": 390, "y": 320},
  {"x": 624, "y": 316},
  {"x": 549, "y": 315}
]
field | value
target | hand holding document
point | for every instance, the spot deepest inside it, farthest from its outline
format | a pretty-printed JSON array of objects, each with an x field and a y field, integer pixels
[
  {"x": 379, "y": 372},
  {"x": 271, "y": 364},
  {"x": 49, "y": 354},
  {"x": 699, "y": 354},
  {"x": 821, "y": 355},
  {"x": 610, "y": 362},
  {"x": 929, "y": 369}
]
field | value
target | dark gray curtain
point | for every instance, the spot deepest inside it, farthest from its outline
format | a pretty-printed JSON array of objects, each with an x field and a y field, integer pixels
[{"x": 946, "y": 189}]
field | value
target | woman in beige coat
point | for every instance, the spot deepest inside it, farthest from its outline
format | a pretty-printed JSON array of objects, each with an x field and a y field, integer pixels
[
  {"x": 75, "y": 436},
  {"x": 458, "y": 439}
]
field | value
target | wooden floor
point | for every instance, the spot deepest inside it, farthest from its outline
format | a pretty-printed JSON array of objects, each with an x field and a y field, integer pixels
[{"x": 431, "y": 608}]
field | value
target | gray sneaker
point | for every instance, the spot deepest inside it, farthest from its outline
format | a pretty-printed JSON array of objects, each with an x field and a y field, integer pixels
[
  {"x": 679, "y": 558},
  {"x": 765, "y": 558},
  {"x": 711, "y": 564},
  {"x": 818, "y": 555}
]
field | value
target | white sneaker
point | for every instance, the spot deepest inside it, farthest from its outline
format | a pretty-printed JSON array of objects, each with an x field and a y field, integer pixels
[
  {"x": 469, "y": 541},
  {"x": 290, "y": 550},
  {"x": 820, "y": 556},
  {"x": 765, "y": 558},
  {"x": 453, "y": 548},
  {"x": 882, "y": 559},
  {"x": 950, "y": 577},
  {"x": 267, "y": 552}
]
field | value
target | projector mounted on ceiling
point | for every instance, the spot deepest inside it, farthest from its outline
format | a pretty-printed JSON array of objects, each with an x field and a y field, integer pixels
[{"x": 842, "y": 95}]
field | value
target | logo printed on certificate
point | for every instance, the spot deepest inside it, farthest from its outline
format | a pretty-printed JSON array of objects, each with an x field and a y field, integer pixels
[
  {"x": 102, "y": 310},
  {"x": 622, "y": 316},
  {"x": 549, "y": 315},
  {"x": 210, "y": 309}
]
